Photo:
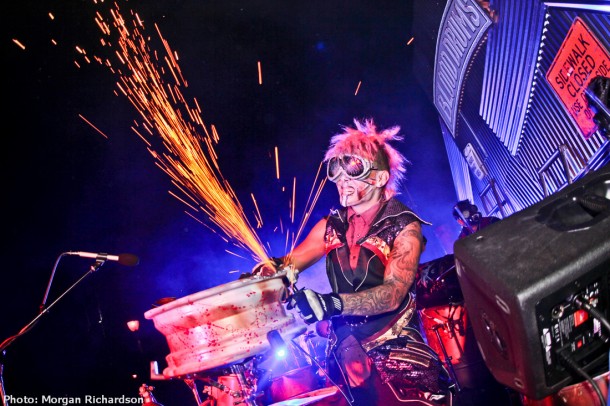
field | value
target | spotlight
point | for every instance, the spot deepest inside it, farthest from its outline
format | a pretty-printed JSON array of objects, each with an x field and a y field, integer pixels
[
  {"x": 278, "y": 346},
  {"x": 280, "y": 353}
]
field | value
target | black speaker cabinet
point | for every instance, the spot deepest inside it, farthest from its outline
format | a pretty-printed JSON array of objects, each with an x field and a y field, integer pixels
[{"x": 525, "y": 279}]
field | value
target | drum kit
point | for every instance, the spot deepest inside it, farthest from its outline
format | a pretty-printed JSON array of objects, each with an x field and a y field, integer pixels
[
  {"x": 444, "y": 319},
  {"x": 445, "y": 323},
  {"x": 228, "y": 339}
]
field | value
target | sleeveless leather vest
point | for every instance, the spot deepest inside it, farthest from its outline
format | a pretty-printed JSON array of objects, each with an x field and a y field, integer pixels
[{"x": 375, "y": 249}]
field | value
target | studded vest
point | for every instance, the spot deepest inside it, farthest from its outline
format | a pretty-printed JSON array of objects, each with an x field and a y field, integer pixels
[{"x": 375, "y": 249}]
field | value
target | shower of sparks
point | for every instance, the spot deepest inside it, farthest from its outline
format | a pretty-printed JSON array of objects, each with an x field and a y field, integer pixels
[
  {"x": 320, "y": 180},
  {"x": 311, "y": 202},
  {"x": 257, "y": 215},
  {"x": 287, "y": 244},
  {"x": 235, "y": 254},
  {"x": 92, "y": 126},
  {"x": 277, "y": 164},
  {"x": 357, "y": 88},
  {"x": 19, "y": 44},
  {"x": 294, "y": 198},
  {"x": 188, "y": 156},
  {"x": 260, "y": 73}
]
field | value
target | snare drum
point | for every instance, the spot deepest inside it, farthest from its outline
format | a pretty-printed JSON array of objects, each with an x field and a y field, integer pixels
[
  {"x": 445, "y": 329},
  {"x": 228, "y": 391}
]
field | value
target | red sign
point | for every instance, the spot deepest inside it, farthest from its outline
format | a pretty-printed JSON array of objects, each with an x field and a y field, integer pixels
[{"x": 580, "y": 59}]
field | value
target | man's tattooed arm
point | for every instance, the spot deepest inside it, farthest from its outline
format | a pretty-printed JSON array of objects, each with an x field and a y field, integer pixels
[{"x": 399, "y": 275}]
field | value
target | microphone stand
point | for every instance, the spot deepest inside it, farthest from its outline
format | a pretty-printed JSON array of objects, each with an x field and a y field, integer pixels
[
  {"x": 46, "y": 292},
  {"x": 2, "y": 392},
  {"x": 96, "y": 266}
]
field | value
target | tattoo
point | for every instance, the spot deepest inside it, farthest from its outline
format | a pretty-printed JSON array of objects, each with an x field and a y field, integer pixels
[{"x": 399, "y": 275}]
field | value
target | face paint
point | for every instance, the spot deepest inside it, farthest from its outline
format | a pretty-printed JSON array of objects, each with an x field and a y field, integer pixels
[{"x": 353, "y": 192}]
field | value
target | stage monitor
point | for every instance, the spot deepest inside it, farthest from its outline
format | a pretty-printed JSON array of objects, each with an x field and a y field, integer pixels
[{"x": 522, "y": 279}]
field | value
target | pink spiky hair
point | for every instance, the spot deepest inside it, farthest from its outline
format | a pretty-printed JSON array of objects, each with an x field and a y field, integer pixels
[{"x": 364, "y": 140}]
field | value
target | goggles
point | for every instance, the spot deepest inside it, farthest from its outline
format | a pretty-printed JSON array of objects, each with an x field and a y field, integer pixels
[{"x": 353, "y": 166}]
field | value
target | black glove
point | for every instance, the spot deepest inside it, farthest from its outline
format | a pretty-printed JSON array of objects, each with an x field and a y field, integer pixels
[{"x": 315, "y": 306}]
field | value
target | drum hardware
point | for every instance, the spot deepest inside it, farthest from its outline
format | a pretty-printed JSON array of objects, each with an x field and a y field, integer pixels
[
  {"x": 154, "y": 372},
  {"x": 148, "y": 399},
  {"x": 235, "y": 390},
  {"x": 312, "y": 375},
  {"x": 313, "y": 349},
  {"x": 437, "y": 283},
  {"x": 448, "y": 358},
  {"x": 312, "y": 354},
  {"x": 293, "y": 373},
  {"x": 454, "y": 328},
  {"x": 193, "y": 387},
  {"x": 249, "y": 391},
  {"x": 229, "y": 386},
  {"x": 242, "y": 384},
  {"x": 347, "y": 393},
  {"x": 222, "y": 387},
  {"x": 453, "y": 325},
  {"x": 448, "y": 272},
  {"x": 227, "y": 337},
  {"x": 247, "y": 384},
  {"x": 191, "y": 381},
  {"x": 232, "y": 385}
]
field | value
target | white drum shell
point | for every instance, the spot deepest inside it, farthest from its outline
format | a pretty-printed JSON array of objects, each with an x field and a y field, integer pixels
[{"x": 223, "y": 325}]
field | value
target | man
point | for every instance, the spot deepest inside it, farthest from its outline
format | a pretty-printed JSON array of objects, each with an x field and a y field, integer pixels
[
  {"x": 468, "y": 216},
  {"x": 372, "y": 247}
]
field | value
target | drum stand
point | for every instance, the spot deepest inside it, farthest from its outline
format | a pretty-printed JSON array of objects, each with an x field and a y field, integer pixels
[
  {"x": 448, "y": 358},
  {"x": 247, "y": 390},
  {"x": 193, "y": 387},
  {"x": 246, "y": 394},
  {"x": 452, "y": 330},
  {"x": 2, "y": 393}
]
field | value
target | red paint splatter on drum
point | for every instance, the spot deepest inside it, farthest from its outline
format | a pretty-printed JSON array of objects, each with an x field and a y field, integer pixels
[{"x": 215, "y": 329}]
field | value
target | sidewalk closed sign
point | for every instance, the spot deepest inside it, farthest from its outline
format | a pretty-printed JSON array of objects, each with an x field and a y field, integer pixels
[{"x": 580, "y": 58}]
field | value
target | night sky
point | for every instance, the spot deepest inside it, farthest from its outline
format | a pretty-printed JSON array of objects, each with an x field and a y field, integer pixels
[{"x": 69, "y": 188}]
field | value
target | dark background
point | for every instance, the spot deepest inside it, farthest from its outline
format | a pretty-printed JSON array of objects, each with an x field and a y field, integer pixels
[{"x": 69, "y": 188}]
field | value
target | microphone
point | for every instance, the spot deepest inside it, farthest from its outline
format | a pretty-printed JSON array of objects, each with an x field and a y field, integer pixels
[{"x": 123, "y": 259}]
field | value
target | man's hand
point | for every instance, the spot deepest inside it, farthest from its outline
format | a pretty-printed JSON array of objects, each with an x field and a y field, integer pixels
[
  {"x": 267, "y": 268},
  {"x": 274, "y": 265},
  {"x": 314, "y": 306}
]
